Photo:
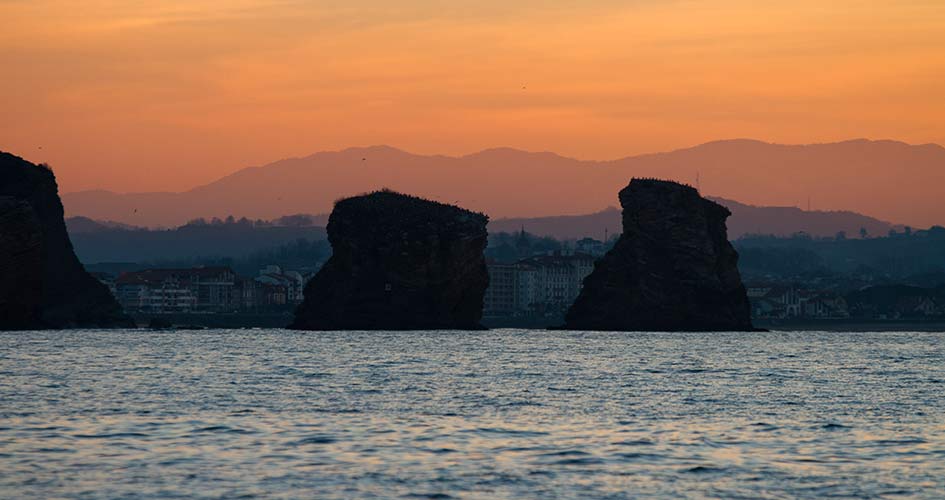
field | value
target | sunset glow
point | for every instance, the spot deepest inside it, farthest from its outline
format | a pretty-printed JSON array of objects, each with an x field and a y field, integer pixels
[
  {"x": 136, "y": 96},
  {"x": 465, "y": 249}
]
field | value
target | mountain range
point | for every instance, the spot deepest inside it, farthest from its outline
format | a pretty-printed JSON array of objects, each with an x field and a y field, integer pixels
[
  {"x": 745, "y": 220},
  {"x": 887, "y": 180}
]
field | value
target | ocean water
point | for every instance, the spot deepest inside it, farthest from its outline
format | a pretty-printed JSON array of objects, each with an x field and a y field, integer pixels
[{"x": 491, "y": 414}]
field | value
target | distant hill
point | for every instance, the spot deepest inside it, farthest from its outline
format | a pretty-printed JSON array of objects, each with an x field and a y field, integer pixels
[
  {"x": 186, "y": 242},
  {"x": 81, "y": 225},
  {"x": 885, "y": 179},
  {"x": 745, "y": 219},
  {"x": 916, "y": 255},
  {"x": 564, "y": 227},
  {"x": 98, "y": 241},
  {"x": 786, "y": 221}
]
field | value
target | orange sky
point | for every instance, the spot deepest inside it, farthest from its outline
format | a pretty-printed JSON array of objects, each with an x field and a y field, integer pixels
[{"x": 165, "y": 95}]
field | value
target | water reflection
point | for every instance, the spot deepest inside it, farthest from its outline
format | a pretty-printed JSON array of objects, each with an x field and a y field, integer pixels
[{"x": 500, "y": 414}]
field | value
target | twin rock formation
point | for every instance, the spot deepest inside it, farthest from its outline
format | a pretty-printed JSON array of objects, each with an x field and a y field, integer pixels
[
  {"x": 401, "y": 262},
  {"x": 405, "y": 263},
  {"x": 42, "y": 283}
]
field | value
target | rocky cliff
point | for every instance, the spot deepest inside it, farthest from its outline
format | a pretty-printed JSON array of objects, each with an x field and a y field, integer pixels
[
  {"x": 42, "y": 284},
  {"x": 398, "y": 263},
  {"x": 21, "y": 251},
  {"x": 673, "y": 268}
]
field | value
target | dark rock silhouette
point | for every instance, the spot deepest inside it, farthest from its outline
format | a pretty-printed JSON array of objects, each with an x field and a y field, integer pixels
[
  {"x": 42, "y": 284},
  {"x": 673, "y": 268},
  {"x": 398, "y": 263},
  {"x": 21, "y": 255}
]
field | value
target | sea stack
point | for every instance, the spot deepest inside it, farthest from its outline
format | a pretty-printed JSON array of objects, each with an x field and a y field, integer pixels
[
  {"x": 42, "y": 283},
  {"x": 21, "y": 254},
  {"x": 673, "y": 269},
  {"x": 398, "y": 263}
]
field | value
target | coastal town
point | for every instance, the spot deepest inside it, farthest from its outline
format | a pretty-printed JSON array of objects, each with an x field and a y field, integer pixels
[
  {"x": 533, "y": 284},
  {"x": 206, "y": 290}
]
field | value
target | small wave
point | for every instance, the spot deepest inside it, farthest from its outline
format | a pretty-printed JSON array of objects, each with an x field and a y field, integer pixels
[
  {"x": 438, "y": 451},
  {"x": 702, "y": 469},
  {"x": 579, "y": 461},
  {"x": 506, "y": 432},
  {"x": 316, "y": 439},
  {"x": 178, "y": 461},
  {"x": 222, "y": 429},
  {"x": 635, "y": 442},
  {"x": 336, "y": 410},
  {"x": 899, "y": 442},
  {"x": 520, "y": 403},
  {"x": 764, "y": 427},
  {"x": 519, "y": 449},
  {"x": 110, "y": 435},
  {"x": 638, "y": 457},
  {"x": 565, "y": 453},
  {"x": 32, "y": 429}
]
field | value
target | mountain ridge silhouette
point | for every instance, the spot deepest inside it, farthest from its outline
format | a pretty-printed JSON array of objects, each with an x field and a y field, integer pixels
[{"x": 888, "y": 180}]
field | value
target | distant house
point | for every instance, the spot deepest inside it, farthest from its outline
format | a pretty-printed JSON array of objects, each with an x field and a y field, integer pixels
[
  {"x": 538, "y": 284},
  {"x": 273, "y": 295},
  {"x": 292, "y": 281},
  {"x": 825, "y": 305},
  {"x": 897, "y": 301},
  {"x": 926, "y": 307},
  {"x": 199, "y": 289},
  {"x": 780, "y": 302},
  {"x": 590, "y": 246},
  {"x": 914, "y": 305},
  {"x": 766, "y": 308},
  {"x": 500, "y": 295},
  {"x": 259, "y": 296},
  {"x": 757, "y": 291},
  {"x": 788, "y": 298}
]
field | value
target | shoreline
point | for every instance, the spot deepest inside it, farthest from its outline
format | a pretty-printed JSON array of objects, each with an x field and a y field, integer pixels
[
  {"x": 851, "y": 325},
  {"x": 282, "y": 319}
]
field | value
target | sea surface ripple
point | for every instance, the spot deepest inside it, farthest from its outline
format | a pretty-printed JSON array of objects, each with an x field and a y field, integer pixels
[{"x": 491, "y": 414}]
